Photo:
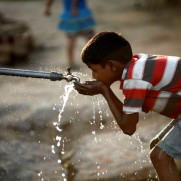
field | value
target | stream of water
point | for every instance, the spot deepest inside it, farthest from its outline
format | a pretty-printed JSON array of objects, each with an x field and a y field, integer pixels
[
  {"x": 65, "y": 96},
  {"x": 97, "y": 107}
]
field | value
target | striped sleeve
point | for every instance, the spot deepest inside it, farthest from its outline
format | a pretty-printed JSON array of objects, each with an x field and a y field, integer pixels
[{"x": 135, "y": 92}]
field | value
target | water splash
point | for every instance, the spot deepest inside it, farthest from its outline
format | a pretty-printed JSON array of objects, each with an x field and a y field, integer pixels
[
  {"x": 94, "y": 112},
  {"x": 143, "y": 151},
  {"x": 60, "y": 141},
  {"x": 67, "y": 90},
  {"x": 96, "y": 100},
  {"x": 58, "y": 138},
  {"x": 53, "y": 149},
  {"x": 97, "y": 106}
]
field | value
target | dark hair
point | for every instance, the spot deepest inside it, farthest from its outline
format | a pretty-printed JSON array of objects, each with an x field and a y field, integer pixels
[{"x": 107, "y": 46}]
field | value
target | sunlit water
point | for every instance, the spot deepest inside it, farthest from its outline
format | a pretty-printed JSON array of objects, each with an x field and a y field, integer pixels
[
  {"x": 98, "y": 106},
  {"x": 60, "y": 141},
  {"x": 67, "y": 90}
]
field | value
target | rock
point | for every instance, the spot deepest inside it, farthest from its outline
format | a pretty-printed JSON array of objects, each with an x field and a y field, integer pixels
[
  {"x": 16, "y": 40},
  {"x": 28, "y": 161},
  {"x": 5, "y": 52}
]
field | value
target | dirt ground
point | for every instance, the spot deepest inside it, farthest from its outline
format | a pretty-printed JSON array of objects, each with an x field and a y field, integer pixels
[{"x": 152, "y": 31}]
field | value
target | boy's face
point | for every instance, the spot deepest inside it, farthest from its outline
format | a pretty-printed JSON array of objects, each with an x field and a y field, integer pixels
[{"x": 108, "y": 74}]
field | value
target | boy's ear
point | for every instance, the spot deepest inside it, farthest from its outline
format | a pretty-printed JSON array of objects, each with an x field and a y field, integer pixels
[{"x": 112, "y": 64}]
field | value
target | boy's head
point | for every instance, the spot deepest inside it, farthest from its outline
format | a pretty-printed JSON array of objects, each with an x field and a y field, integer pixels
[
  {"x": 106, "y": 54},
  {"x": 107, "y": 46}
]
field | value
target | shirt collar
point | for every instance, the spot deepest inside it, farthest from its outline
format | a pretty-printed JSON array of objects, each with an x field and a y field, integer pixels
[{"x": 134, "y": 58}]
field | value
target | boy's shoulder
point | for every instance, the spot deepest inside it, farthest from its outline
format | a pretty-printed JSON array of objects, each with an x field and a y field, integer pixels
[
  {"x": 155, "y": 57},
  {"x": 145, "y": 69},
  {"x": 143, "y": 66}
]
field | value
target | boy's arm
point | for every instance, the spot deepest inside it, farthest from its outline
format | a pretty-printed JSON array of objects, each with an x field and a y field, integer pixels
[
  {"x": 47, "y": 7},
  {"x": 127, "y": 122}
]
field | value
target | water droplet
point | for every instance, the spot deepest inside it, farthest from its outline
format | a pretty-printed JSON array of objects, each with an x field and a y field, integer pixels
[
  {"x": 53, "y": 151},
  {"x": 93, "y": 132}
]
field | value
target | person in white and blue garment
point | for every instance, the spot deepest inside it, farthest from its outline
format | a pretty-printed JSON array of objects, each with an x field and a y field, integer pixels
[{"x": 75, "y": 20}]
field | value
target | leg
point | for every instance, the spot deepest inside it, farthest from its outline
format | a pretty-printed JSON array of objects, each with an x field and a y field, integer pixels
[
  {"x": 164, "y": 165},
  {"x": 163, "y": 162},
  {"x": 70, "y": 49},
  {"x": 153, "y": 142}
]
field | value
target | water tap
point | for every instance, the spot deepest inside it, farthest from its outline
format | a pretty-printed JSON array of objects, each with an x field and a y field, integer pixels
[{"x": 69, "y": 77}]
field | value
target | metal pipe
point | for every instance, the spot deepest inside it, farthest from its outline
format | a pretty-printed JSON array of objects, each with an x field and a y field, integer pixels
[{"x": 42, "y": 75}]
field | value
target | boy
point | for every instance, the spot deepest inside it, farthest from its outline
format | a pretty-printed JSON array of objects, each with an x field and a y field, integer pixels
[{"x": 149, "y": 83}]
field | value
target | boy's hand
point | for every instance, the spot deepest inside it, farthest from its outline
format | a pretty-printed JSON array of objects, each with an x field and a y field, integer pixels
[{"x": 89, "y": 87}]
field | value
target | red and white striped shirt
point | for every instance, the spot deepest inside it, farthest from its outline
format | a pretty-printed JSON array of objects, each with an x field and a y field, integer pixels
[{"x": 152, "y": 83}]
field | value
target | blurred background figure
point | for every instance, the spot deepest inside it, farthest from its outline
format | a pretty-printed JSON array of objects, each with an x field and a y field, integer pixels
[{"x": 75, "y": 20}]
